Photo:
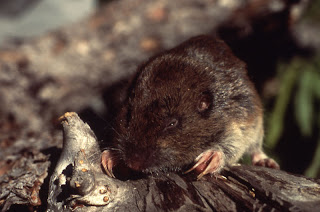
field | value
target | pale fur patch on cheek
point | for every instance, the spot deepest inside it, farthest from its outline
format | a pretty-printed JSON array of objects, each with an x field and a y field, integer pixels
[{"x": 241, "y": 137}]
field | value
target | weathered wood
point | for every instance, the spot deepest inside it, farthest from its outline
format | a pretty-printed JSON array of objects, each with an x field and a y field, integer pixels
[
  {"x": 71, "y": 68},
  {"x": 239, "y": 188},
  {"x": 22, "y": 184}
]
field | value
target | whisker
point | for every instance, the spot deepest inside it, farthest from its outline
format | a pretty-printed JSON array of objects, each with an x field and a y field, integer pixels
[{"x": 93, "y": 156}]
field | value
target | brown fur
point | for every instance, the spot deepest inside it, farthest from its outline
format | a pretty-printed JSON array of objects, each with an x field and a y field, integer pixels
[{"x": 185, "y": 101}]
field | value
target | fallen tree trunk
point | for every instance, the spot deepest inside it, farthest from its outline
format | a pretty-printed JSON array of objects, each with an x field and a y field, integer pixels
[
  {"x": 72, "y": 68},
  {"x": 79, "y": 183}
]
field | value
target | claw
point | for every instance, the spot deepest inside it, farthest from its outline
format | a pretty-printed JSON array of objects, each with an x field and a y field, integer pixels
[
  {"x": 107, "y": 162},
  {"x": 201, "y": 159},
  {"x": 214, "y": 164},
  {"x": 208, "y": 162}
]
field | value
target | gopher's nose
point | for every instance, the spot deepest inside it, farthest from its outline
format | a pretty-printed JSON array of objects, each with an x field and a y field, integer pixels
[
  {"x": 136, "y": 161},
  {"x": 135, "y": 165}
]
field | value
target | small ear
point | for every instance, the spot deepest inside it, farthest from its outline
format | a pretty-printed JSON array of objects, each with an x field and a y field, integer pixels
[{"x": 205, "y": 102}]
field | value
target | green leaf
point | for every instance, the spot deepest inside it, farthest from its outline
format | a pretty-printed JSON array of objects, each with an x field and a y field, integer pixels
[
  {"x": 276, "y": 118},
  {"x": 304, "y": 102},
  {"x": 316, "y": 84}
]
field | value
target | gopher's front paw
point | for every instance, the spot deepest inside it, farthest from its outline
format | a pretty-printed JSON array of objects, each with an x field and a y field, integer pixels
[
  {"x": 208, "y": 162},
  {"x": 108, "y": 162}
]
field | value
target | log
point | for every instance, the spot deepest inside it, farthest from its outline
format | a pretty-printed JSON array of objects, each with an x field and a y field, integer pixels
[
  {"x": 76, "y": 67},
  {"x": 78, "y": 183}
]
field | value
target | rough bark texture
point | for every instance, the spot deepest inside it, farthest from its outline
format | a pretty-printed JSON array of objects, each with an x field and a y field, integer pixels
[
  {"x": 79, "y": 179},
  {"x": 74, "y": 67}
]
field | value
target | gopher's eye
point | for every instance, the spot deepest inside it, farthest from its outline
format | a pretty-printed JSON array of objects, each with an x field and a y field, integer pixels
[{"x": 172, "y": 124}]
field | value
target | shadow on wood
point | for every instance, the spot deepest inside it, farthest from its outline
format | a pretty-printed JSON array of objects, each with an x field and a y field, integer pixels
[
  {"x": 79, "y": 183},
  {"x": 71, "y": 68}
]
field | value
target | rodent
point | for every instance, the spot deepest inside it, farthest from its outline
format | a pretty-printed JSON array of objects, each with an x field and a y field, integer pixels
[{"x": 193, "y": 105}]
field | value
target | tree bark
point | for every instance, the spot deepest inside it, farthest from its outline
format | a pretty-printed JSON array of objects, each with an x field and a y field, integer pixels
[
  {"x": 73, "y": 68},
  {"x": 80, "y": 180}
]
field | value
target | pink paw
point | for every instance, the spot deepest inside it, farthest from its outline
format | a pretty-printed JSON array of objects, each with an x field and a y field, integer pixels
[
  {"x": 267, "y": 162},
  {"x": 208, "y": 162},
  {"x": 108, "y": 162},
  {"x": 260, "y": 159}
]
